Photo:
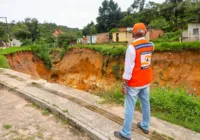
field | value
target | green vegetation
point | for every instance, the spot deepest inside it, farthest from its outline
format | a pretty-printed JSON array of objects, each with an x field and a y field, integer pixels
[
  {"x": 173, "y": 105},
  {"x": 42, "y": 51},
  {"x": 65, "y": 111},
  {"x": 120, "y": 49},
  {"x": 106, "y": 49},
  {"x": 46, "y": 112},
  {"x": 177, "y": 46},
  {"x": 170, "y": 37},
  {"x": 3, "y": 62},
  {"x": 113, "y": 95},
  {"x": 116, "y": 71},
  {"x": 176, "y": 106},
  {"x": 7, "y": 126},
  {"x": 14, "y": 50}
]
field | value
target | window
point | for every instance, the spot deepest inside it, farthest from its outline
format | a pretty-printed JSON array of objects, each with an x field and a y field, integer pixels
[{"x": 196, "y": 31}]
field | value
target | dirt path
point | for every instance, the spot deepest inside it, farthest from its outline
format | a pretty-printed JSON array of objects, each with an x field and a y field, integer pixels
[{"x": 19, "y": 120}]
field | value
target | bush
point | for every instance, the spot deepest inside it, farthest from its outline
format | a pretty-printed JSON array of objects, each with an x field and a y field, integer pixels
[
  {"x": 170, "y": 37},
  {"x": 42, "y": 51},
  {"x": 63, "y": 51}
]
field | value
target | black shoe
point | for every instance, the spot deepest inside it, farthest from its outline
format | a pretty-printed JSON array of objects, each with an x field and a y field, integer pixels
[
  {"x": 118, "y": 135},
  {"x": 139, "y": 126}
]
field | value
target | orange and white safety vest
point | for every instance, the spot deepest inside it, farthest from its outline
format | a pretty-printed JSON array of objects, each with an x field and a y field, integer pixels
[{"x": 142, "y": 71}]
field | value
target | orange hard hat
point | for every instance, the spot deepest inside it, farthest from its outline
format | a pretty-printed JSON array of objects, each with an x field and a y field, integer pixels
[{"x": 139, "y": 28}]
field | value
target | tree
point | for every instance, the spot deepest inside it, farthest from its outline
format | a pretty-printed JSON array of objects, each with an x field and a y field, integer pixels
[
  {"x": 109, "y": 16},
  {"x": 3, "y": 32},
  {"x": 65, "y": 39},
  {"x": 20, "y": 31},
  {"x": 32, "y": 26},
  {"x": 138, "y": 5},
  {"x": 127, "y": 21},
  {"x": 90, "y": 29},
  {"x": 159, "y": 23}
]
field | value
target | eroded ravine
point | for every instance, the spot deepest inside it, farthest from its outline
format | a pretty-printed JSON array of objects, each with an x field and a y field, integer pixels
[{"x": 88, "y": 70}]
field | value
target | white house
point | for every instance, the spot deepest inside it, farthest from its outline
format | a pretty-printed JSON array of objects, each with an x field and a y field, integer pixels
[
  {"x": 15, "y": 42},
  {"x": 192, "y": 34}
]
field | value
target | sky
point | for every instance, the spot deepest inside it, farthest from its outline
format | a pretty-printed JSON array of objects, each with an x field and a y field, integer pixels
[{"x": 71, "y": 13}]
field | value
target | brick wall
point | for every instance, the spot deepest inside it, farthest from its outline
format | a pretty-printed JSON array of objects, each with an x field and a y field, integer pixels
[
  {"x": 155, "y": 33},
  {"x": 103, "y": 38}
]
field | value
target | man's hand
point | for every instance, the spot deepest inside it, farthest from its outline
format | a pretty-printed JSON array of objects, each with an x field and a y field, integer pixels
[{"x": 124, "y": 85}]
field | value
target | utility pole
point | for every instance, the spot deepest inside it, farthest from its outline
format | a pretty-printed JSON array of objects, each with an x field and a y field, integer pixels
[{"x": 7, "y": 28}]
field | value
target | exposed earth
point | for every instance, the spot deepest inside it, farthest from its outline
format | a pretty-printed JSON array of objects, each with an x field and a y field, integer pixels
[{"x": 88, "y": 70}]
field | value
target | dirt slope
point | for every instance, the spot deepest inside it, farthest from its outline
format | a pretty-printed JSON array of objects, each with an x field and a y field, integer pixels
[
  {"x": 176, "y": 69},
  {"x": 86, "y": 69},
  {"x": 28, "y": 63},
  {"x": 89, "y": 70}
]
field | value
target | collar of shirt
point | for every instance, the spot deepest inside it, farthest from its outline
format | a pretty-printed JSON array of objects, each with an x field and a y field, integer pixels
[{"x": 141, "y": 38}]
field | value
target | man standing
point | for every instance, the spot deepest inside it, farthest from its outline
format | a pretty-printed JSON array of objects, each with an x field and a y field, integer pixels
[{"x": 137, "y": 78}]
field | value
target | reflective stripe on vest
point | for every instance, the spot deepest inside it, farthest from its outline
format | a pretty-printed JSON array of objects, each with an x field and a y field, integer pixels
[{"x": 142, "y": 72}]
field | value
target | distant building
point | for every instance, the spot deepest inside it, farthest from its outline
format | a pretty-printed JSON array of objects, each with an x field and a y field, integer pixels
[
  {"x": 192, "y": 34},
  {"x": 125, "y": 35},
  {"x": 102, "y": 38},
  {"x": 15, "y": 42},
  {"x": 57, "y": 32},
  {"x": 92, "y": 39},
  {"x": 155, "y": 33}
]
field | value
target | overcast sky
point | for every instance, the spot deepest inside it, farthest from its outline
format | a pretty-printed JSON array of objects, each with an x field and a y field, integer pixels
[{"x": 71, "y": 13}]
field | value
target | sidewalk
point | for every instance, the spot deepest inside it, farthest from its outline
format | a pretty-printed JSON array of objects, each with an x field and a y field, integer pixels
[{"x": 85, "y": 110}]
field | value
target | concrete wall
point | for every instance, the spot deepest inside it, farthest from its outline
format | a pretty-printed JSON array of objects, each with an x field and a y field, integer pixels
[
  {"x": 94, "y": 39},
  {"x": 91, "y": 39},
  {"x": 191, "y": 35}
]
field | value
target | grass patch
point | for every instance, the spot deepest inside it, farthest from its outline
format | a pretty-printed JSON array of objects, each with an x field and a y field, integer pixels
[
  {"x": 113, "y": 95},
  {"x": 46, "y": 112},
  {"x": 3, "y": 62},
  {"x": 107, "y": 49},
  {"x": 65, "y": 111},
  {"x": 7, "y": 126},
  {"x": 120, "y": 49},
  {"x": 172, "y": 105},
  {"x": 14, "y": 50},
  {"x": 177, "y": 46},
  {"x": 177, "y": 107}
]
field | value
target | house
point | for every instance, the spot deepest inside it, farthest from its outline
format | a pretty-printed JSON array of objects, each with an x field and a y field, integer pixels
[
  {"x": 125, "y": 35},
  {"x": 120, "y": 35},
  {"x": 57, "y": 32},
  {"x": 102, "y": 38},
  {"x": 192, "y": 34},
  {"x": 15, "y": 42}
]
